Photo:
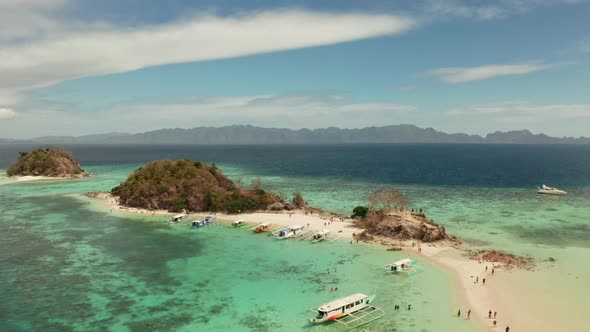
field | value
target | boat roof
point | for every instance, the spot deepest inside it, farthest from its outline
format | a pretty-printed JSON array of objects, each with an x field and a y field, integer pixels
[
  {"x": 239, "y": 221},
  {"x": 403, "y": 261},
  {"x": 342, "y": 302},
  {"x": 323, "y": 232},
  {"x": 265, "y": 224}
]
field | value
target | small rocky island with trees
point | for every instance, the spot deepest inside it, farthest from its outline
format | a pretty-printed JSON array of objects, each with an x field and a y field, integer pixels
[
  {"x": 49, "y": 162},
  {"x": 387, "y": 215},
  {"x": 191, "y": 186}
]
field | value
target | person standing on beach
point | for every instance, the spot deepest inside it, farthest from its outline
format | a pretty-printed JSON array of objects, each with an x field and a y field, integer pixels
[
  {"x": 458, "y": 312},
  {"x": 507, "y": 328},
  {"x": 468, "y": 313},
  {"x": 484, "y": 281},
  {"x": 492, "y": 271},
  {"x": 476, "y": 279},
  {"x": 494, "y": 323},
  {"x": 490, "y": 314},
  {"x": 495, "y": 313}
]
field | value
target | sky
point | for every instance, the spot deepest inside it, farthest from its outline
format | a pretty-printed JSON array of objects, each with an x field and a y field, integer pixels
[{"x": 82, "y": 67}]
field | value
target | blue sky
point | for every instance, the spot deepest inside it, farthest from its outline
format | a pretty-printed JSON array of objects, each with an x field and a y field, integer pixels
[{"x": 83, "y": 67}]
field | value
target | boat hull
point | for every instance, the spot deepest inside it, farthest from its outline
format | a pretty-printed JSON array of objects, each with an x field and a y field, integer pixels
[{"x": 552, "y": 192}]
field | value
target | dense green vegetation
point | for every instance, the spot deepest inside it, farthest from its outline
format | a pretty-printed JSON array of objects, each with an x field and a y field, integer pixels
[
  {"x": 359, "y": 212},
  {"x": 48, "y": 161},
  {"x": 191, "y": 186}
]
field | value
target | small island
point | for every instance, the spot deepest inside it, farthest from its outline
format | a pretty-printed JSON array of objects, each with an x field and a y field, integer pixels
[
  {"x": 46, "y": 163},
  {"x": 191, "y": 186}
]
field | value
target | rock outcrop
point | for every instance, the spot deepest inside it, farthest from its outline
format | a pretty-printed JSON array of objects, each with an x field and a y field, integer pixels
[
  {"x": 507, "y": 260},
  {"x": 402, "y": 225},
  {"x": 50, "y": 161}
]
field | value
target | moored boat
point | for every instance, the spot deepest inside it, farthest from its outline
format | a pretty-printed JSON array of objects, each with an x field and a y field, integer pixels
[
  {"x": 178, "y": 217},
  {"x": 290, "y": 232},
  {"x": 320, "y": 236},
  {"x": 262, "y": 228},
  {"x": 403, "y": 265},
  {"x": 550, "y": 191},
  {"x": 239, "y": 223},
  {"x": 357, "y": 307},
  {"x": 203, "y": 222}
]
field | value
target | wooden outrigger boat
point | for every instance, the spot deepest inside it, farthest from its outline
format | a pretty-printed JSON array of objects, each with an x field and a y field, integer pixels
[
  {"x": 403, "y": 265},
  {"x": 239, "y": 223},
  {"x": 262, "y": 228},
  {"x": 203, "y": 222},
  {"x": 290, "y": 232},
  {"x": 320, "y": 236},
  {"x": 351, "y": 311},
  {"x": 178, "y": 217}
]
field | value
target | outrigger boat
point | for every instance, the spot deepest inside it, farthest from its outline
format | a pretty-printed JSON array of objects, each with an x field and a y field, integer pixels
[
  {"x": 203, "y": 222},
  {"x": 239, "y": 223},
  {"x": 403, "y": 265},
  {"x": 290, "y": 232},
  {"x": 262, "y": 228},
  {"x": 178, "y": 217},
  {"x": 320, "y": 236},
  {"x": 352, "y": 311}
]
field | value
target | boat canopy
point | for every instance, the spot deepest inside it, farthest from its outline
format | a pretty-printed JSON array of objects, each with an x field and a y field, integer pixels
[
  {"x": 237, "y": 222},
  {"x": 179, "y": 216},
  {"x": 405, "y": 261},
  {"x": 336, "y": 304}
]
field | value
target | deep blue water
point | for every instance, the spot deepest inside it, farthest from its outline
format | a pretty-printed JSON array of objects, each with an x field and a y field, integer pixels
[{"x": 433, "y": 164}]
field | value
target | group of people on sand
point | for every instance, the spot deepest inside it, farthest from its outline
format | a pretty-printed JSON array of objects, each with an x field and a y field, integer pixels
[
  {"x": 495, "y": 322},
  {"x": 495, "y": 313}
]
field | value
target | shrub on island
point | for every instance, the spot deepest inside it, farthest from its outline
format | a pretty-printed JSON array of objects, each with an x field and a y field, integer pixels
[
  {"x": 49, "y": 161},
  {"x": 189, "y": 185}
]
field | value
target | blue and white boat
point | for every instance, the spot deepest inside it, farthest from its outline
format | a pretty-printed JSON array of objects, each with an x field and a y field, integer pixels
[
  {"x": 203, "y": 222},
  {"x": 289, "y": 232}
]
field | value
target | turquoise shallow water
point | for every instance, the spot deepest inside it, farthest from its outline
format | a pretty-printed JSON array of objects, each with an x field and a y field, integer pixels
[{"x": 67, "y": 265}]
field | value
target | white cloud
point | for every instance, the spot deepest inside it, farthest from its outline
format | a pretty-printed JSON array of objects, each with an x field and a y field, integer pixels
[
  {"x": 23, "y": 19},
  {"x": 525, "y": 110},
  {"x": 291, "y": 111},
  {"x": 99, "y": 49},
  {"x": 7, "y": 114},
  {"x": 467, "y": 74},
  {"x": 253, "y": 108},
  {"x": 486, "y": 10}
]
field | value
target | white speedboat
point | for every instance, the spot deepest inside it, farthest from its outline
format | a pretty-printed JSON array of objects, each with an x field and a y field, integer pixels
[{"x": 550, "y": 191}]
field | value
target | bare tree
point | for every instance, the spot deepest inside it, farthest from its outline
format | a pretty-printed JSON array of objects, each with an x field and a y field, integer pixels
[
  {"x": 257, "y": 184},
  {"x": 281, "y": 195},
  {"x": 388, "y": 199}
]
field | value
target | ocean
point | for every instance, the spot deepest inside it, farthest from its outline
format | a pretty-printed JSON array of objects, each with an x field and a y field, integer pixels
[{"x": 67, "y": 265}]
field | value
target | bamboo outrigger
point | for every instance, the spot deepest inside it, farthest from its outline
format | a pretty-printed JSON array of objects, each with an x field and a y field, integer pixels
[
  {"x": 262, "y": 228},
  {"x": 403, "y": 265},
  {"x": 351, "y": 311}
]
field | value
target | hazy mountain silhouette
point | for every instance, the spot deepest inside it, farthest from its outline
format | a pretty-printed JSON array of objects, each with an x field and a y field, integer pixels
[{"x": 246, "y": 134}]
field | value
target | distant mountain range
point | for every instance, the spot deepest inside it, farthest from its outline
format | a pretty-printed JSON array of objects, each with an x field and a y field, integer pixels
[{"x": 245, "y": 134}]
